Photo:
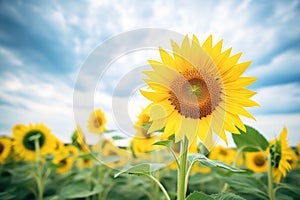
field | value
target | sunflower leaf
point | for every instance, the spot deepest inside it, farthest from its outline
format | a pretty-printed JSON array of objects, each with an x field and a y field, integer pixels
[
  {"x": 117, "y": 137},
  {"x": 141, "y": 169},
  {"x": 199, "y": 195},
  {"x": 163, "y": 143},
  {"x": 250, "y": 141},
  {"x": 212, "y": 163}
]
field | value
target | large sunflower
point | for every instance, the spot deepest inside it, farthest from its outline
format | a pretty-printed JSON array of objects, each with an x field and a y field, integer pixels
[
  {"x": 280, "y": 156},
  {"x": 257, "y": 161},
  {"x": 5, "y": 147},
  {"x": 97, "y": 121},
  {"x": 198, "y": 91},
  {"x": 25, "y": 147}
]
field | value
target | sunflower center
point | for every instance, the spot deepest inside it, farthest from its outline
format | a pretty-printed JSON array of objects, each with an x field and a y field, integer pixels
[
  {"x": 259, "y": 160},
  {"x": 223, "y": 152},
  {"x": 1, "y": 148},
  {"x": 97, "y": 122},
  {"x": 63, "y": 162},
  {"x": 29, "y": 144},
  {"x": 194, "y": 94}
]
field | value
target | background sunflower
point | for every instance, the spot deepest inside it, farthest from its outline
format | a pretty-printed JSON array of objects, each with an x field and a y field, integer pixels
[
  {"x": 24, "y": 146},
  {"x": 96, "y": 122},
  {"x": 257, "y": 161},
  {"x": 5, "y": 148}
]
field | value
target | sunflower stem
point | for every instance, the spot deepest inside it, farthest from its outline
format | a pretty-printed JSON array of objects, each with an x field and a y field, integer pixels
[
  {"x": 181, "y": 185},
  {"x": 160, "y": 186},
  {"x": 270, "y": 179},
  {"x": 39, "y": 180}
]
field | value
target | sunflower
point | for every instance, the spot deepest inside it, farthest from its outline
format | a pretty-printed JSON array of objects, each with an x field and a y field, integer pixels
[
  {"x": 280, "y": 156},
  {"x": 142, "y": 142},
  {"x": 5, "y": 148},
  {"x": 78, "y": 139},
  {"x": 198, "y": 91},
  {"x": 197, "y": 168},
  {"x": 223, "y": 154},
  {"x": 298, "y": 150},
  {"x": 25, "y": 146},
  {"x": 96, "y": 123},
  {"x": 293, "y": 161},
  {"x": 84, "y": 163},
  {"x": 109, "y": 149},
  {"x": 71, "y": 151},
  {"x": 59, "y": 146},
  {"x": 257, "y": 161},
  {"x": 64, "y": 163}
]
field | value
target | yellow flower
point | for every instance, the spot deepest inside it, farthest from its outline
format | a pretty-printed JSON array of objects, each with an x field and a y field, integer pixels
[
  {"x": 257, "y": 161},
  {"x": 96, "y": 123},
  {"x": 298, "y": 150},
  {"x": 78, "y": 139},
  {"x": 59, "y": 146},
  {"x": 109, "y": 149},
  {"x": 280, "y": 156},
  {"x": 222, "y": 154},
  {"x": 25, "y": 147},
  {"x": 294, "y": 159},
  {"x": 198, "y": 91},
  {"x": 71, "y": 151},
  {"x": 5, "y": 148},
  {"x": 65, "y": 163},
  {"x": 142, "y": 142},
  {"x": 198, "y": 168},
  {"x": 84, "y": 163}
]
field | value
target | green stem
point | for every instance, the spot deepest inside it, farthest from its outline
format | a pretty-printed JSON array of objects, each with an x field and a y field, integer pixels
[
  {"x": 39, "y": 168},
  {"x": 160, "y": 186},
  {"x": 270, "y": 179},
  {"x": 181, "y": 185}
]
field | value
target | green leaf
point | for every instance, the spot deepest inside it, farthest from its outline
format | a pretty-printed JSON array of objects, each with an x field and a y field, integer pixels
[
  {"x": 251, "y": 140},
  {"x": 109, "y": 131},
  {"x": 163, "y": 143},
  {"x": 141, "y": 169},
  {"x": 226, "y": 196},
  {"x": 147, "y": 126},
  {"x": 87, "y": 156},
  {"x": 78, "y": 190},
  {"x": 212, "y": 163},
  {"x": 247, "y": 184},
  {"x": 290, "y": 187},
  {"x": 199, "y": 195}
]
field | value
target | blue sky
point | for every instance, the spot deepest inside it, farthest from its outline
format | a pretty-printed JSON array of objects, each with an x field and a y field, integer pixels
[{"x": 44, "y": 44}]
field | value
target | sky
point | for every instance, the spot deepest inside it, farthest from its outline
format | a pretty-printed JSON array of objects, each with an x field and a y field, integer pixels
[{"x": 44, "y": 46}]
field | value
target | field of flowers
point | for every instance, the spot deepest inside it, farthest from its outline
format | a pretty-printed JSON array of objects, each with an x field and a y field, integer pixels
[{"x": 195, "y": 94}]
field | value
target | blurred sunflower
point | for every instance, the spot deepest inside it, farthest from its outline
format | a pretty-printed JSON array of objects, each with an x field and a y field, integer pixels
[
  {"x": 257, "y": 161},
  {"x": 97, "y": 121},
  {"x": 25, "y": 146},
  {"x": 109, "y": 149},
  {"x": 298, "y": 150},
  {"x": 5, "y": 148},
  {"x": 222, "y": 154},
  {"x": 71, "y": 151},
  {"x": 142, "y": 142},
  {"x": 84, "y": 163},
  {"x": 198, "y": 91},
  {"x": 64, "y": 163},
  {"x": 59, "y": 146},
  {"x": 78, "y": 140},
  {"x": 280, "y": 156},
  {"x": 197, "y": 168},
  {"x": 294, "y": 159}
]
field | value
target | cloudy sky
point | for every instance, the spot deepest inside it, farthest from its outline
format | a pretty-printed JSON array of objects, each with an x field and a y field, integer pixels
[{"x": 43, "y": 46}]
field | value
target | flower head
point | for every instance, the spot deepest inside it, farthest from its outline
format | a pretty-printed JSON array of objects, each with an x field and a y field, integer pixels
[
  {"x": 280, "y": 156},
  {"x": 5, "y": 148},
  {"x": 25, "y": 146},
  {"x": 97, "y": 121},
  {"x": 257, "y": 161},
  {"x": 197, "y": 91}
]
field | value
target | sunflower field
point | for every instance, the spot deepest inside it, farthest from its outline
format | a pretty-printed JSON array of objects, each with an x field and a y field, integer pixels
[{"x": 197, "y": 94}]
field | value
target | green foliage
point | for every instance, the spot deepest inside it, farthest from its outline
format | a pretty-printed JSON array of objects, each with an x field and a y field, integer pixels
[
  {"x": 251, "y": 140},
  {"x": 199, "y": 195}
]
